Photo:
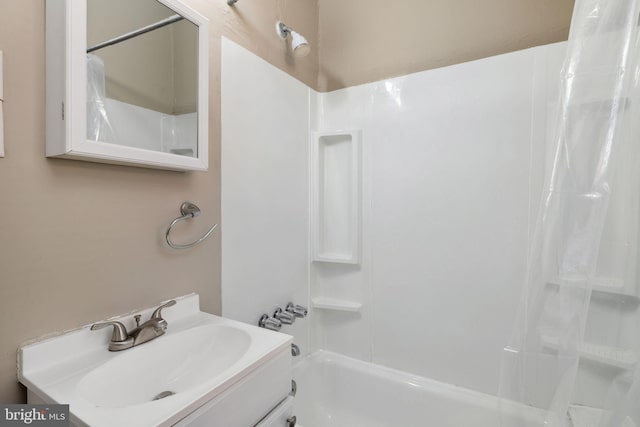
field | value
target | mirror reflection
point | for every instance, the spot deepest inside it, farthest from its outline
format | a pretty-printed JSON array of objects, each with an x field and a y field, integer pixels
[{"x": 142, "y": 76}]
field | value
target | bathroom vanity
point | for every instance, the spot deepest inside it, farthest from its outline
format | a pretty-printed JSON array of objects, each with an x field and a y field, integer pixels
[{"x": 204, "y": 370}]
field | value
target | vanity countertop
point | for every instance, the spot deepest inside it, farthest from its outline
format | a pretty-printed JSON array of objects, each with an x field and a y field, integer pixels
[{"x": 199, "y": 357}]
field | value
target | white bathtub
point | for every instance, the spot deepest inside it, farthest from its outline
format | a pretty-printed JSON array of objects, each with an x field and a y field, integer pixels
[{"x": 337, "y": 391}]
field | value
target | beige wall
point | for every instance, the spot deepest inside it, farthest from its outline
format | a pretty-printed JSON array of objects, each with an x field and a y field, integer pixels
[
  {"x": 82, "y": 241},
  {"x": 368, "y": 40},
  {"x": 185, "y": 68}
]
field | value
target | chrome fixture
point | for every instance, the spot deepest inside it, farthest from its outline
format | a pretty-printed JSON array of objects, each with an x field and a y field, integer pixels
[
  {"x": 232, "y": 2},
  {"x": 187, "y": 210},
  {"x": 291, "y": 421},
  {"x": 151, "y": 329},
  {"x": 295, "y": 350},
  {"x": 269, "y": 323},
  {"x": 296, "y": 310},
  {"x": 299, "y": 45},
  {"x": 284, "y": 316},
  {"x": 294, "y": 388}
]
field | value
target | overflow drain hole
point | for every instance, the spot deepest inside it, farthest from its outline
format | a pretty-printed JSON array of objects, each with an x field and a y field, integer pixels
[{"x": 163, "y": 395}]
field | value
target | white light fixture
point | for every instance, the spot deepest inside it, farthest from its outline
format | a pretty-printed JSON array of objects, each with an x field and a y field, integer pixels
[{"x": 299, "y": 45}]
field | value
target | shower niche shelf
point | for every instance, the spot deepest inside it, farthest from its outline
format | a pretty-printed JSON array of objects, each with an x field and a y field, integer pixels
[
  {"x": 586, "y": 416},
  {"x": 327, "y": 303},
  {"x": 612, "y": 356},
  {"x": 604, "y": 285},
  {"x": 336, "y": 196}
]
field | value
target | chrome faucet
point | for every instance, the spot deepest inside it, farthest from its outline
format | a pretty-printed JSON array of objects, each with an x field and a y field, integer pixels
[
  {"x": 151, "y": 329},
  {"x": 296, "y": 310},
  {"x": 284, "y": 317},
  {"x": 270, "y": 323}
]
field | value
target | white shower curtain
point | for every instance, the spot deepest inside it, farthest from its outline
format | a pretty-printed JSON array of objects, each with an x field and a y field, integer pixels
[
  {"x": 574, "y": 350},
  {"x": 99, "y": 128}
]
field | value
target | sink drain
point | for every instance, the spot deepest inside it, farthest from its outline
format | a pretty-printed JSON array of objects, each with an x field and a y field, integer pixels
[{"x": 163, "y": 395}]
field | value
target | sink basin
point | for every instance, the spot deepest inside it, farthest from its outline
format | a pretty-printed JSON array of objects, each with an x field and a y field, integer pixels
[
  {"x": 203, "y": 368},
  {"x": 170, "y": 364}
]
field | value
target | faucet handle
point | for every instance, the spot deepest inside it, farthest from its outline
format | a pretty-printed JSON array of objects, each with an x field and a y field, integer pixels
[
  {"x": 284, "y": 316},
  {"x": 269, "y": 323},
  {"x": 157, "y": 314},
  {"x": 119, "y": 330},
  {"x": 296, "y": 310}
]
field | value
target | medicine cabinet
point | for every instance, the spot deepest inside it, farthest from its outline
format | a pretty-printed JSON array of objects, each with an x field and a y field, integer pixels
[{"x": 127, "y": 83}]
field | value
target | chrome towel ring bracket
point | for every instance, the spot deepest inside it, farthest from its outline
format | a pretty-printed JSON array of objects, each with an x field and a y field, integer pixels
[{"x": 187, "y": 210}]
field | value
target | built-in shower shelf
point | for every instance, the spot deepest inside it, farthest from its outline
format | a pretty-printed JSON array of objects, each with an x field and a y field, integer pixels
[
  {"x": 586, "y": 416},
  {"x": 326, "y": 303},
  {"x": 602, "y": 285},
  {"x": 336, "y": 213},
  {"x": 613, "y": 356}
]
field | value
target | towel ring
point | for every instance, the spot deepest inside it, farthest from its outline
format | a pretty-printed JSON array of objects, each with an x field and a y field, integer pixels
[{"x": 188, "y": 210}]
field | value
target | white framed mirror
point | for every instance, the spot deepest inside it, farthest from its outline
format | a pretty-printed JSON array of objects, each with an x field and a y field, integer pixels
[{"x": 127, "y": 83}]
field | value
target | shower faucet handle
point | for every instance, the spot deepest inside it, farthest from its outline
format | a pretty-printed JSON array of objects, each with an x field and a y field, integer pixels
[
  {"x": 296, "y": 310},
  {"x": 269, "y": 323},
  {"x": 284, "y": 316}
]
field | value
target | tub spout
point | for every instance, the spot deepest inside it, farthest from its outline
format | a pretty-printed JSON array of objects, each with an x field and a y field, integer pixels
[{"x": 295, "y": 350}]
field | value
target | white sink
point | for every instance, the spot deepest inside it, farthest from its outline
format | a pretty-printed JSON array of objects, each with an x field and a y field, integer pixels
[
  {"x": 173, "y": 364},
  {"x": 201, "y": 360}
]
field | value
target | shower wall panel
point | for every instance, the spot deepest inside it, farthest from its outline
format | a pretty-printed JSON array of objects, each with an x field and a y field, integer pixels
[
  {"x": 455, "y": 159},
  {"x": 265, "y": 189},
  {"x": 452, "y": 166}
]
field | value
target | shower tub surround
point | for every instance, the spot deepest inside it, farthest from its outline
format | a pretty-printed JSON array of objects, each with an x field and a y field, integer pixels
[
  {"x": 337, "y": 391},
  {"x": 151, "y": 130},
  {"x": 452, "y": 166}
]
